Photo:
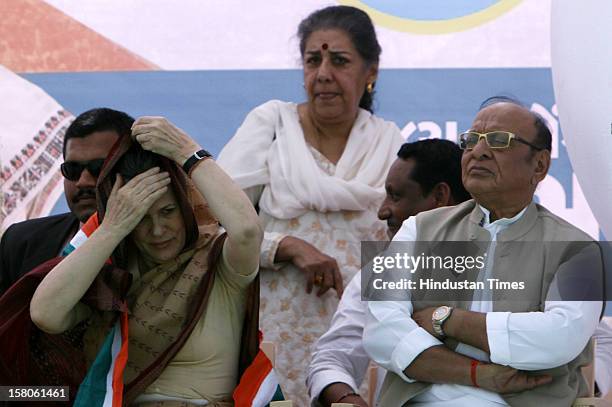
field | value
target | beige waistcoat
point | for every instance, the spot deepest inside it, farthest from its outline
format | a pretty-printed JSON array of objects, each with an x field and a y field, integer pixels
[{"x": 533, "y": 264}]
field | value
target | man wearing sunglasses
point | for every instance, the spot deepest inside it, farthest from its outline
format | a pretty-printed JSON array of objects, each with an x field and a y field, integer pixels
[
  {"x": 468, "y": 350},
  {"x": 87, "y": 142}
]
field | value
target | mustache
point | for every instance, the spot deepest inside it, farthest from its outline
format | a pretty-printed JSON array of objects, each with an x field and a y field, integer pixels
[{"x": 85, "y": 193}]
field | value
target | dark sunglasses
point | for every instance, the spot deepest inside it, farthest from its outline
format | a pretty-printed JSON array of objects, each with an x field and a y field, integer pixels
[
  {"x": 71, "y": 170},
  {"x": 494, "y": 139}
]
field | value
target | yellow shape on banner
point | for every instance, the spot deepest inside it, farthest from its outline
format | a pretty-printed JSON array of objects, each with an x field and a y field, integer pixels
[{"x": 438, "y": 26}]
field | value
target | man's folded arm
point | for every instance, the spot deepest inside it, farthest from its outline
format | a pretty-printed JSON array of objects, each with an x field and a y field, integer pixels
[
  {"x": 529, "y": 340},
  {"x": 394, "y": 341}
]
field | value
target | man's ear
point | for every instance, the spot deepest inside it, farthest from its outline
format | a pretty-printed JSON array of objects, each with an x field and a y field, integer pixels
[
  {"x": 542, "y": 165},
  {"x": 441, "y": 194}
]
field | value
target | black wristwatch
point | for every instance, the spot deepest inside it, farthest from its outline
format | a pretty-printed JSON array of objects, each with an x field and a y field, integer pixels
[{"x": 197, "y": 156}]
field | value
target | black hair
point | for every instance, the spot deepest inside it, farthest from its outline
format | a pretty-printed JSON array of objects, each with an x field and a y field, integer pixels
[
  {"x": 357, "y": 24},
  {"x": 136, "y": 161},
  {"x": 436, "y": 161},
  {"x": 98, "y": 119},
  {"x": 543, "y": 135}
]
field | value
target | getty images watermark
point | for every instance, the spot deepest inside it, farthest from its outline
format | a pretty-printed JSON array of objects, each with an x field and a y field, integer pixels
[{"x": 487, "y": 271}]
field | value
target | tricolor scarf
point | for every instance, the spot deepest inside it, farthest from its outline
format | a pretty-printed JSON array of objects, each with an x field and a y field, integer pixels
[{"x": 103, "y": 384}]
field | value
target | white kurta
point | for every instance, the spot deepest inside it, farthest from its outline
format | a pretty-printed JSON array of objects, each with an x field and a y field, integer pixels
[
  {"x": 523, "y": 340},
  {"x": 302, "y": 194}
]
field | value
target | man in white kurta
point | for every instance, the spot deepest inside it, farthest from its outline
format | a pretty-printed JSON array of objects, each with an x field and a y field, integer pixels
[
  {"x": 507, "y": 153},
  {"x": 426, "y": 175}
]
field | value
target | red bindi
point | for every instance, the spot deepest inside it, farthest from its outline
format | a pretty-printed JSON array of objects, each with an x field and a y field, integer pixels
[{"x": 324, "y": 46}]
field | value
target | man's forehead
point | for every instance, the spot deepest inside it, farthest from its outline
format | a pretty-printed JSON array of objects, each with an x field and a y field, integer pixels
[
  {"x": 400, "y": 173},
  {"x": 402, "y": 167},
  {"x": 94, "y": 145},
  {"x": 506, "y": 117}
]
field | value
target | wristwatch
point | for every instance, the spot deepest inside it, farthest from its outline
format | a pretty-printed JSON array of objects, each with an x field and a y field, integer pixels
[
  {"x": 197, "y": 156},
  {"x": 438, "y": 317}
]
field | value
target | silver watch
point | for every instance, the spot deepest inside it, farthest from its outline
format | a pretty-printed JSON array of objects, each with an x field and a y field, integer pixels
[{"x": 438, "y": 317}]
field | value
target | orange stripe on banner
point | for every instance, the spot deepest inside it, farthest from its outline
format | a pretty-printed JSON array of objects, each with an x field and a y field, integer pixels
[
  {"x": 251, "y": 380},
  {"x": 120, "y": 363},
  {"x": 36, "y": 37}
]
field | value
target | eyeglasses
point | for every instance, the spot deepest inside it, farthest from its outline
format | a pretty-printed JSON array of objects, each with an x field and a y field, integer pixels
[
  {"x": 494, "y": 139},
  {"x": 71, "y": 170}
]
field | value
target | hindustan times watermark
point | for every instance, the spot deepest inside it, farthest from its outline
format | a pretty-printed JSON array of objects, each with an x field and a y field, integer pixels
[
  {"x": 447, "y": 284},
  {"x": 442, "y": 271}
]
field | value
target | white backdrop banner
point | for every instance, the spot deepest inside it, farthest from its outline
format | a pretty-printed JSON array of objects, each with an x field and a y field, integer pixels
[
  {"x": 205, "y": 64},
  {"x": 582, "y": 73}
]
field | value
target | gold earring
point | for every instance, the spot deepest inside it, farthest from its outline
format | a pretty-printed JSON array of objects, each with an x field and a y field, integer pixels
[{"x": 370, "y": 87}]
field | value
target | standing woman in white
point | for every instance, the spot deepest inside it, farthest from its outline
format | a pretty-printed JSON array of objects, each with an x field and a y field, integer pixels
[{"x": 316, "y": 170}]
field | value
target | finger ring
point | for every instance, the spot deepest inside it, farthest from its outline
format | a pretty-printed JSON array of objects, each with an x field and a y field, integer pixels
[{"x": 318, "y": 279}]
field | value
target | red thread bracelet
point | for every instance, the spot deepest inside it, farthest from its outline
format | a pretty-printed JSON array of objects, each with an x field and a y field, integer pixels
[{"x": 473, "y": 367}]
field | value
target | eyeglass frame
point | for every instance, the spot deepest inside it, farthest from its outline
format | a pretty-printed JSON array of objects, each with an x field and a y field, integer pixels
[
  {"x": 84, "y": 165},
  {"x": 511, "y": 137}
]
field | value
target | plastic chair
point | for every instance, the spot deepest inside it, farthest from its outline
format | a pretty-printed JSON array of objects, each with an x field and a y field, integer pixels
[
  {"x": 372, "y": 382},
  {"x": 589, "y": 374}
]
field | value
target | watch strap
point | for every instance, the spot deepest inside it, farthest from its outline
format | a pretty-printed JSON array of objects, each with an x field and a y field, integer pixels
[
  {"x": 195, "y": 158},
  {"x": 437, "y": 323},
  {"x": 437, "y": 327}
]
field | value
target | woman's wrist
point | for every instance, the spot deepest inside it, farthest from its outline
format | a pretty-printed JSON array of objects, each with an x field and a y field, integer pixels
[
  {"x": 190, "y": 166},
  {"x": 269, "y": 249},
  {"x": 286, "y": 249},
  {"x": 111, "y": 233},
  {"x": 186, "y": 153}
]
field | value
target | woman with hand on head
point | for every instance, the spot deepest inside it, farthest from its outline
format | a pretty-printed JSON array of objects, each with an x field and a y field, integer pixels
[
  {"x": 190, "y": 280},
  {"x": 316, "y": 170}
]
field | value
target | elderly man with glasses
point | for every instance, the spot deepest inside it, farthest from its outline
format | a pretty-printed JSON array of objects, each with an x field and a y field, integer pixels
[
  {"x": 521, "y": 346},
  {"x": 87, "y": 142}
]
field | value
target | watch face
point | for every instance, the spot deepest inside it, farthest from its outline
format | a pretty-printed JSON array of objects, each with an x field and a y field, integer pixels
[{"x": 440, "y": 312}]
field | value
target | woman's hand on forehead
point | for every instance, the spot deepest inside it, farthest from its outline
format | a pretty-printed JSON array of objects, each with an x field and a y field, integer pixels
[{"x": 128, "y": 204}]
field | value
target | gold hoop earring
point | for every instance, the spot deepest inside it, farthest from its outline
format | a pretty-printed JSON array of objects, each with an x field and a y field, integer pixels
[{"x": 370, "y": 87}]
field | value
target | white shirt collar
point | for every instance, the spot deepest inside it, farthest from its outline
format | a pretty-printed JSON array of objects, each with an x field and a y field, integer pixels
[{"x": 499, "y": 222}]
